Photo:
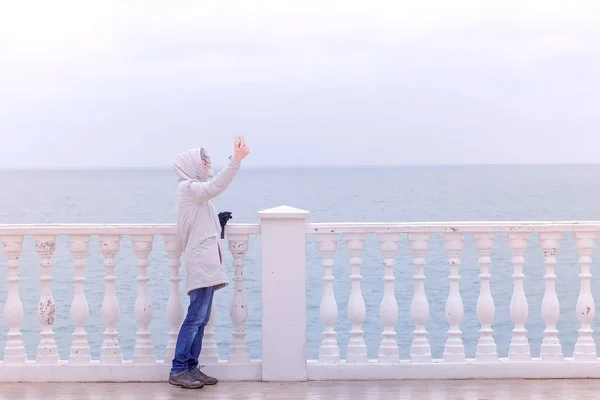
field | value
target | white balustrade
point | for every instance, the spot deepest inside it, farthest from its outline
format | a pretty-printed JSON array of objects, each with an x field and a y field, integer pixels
[
  {"x": 283, "y": 240},
  {"x": 388, "y": 311},
  {"x": 47, "y": 352},
  {"x": 486, "y": 347},
  {"x": 519, "y": 349},
  {"x": 357, "y": 348},
  {"x": 14, "y": 351},
  {"x": 175, "y": 310},
  {"x": 585, "y": 348},
  {"x": 110, "y": 352},
  {"x": 551, "y": 348},
  {"x": 420, "y": 351},
  {"x": 329, "y": 351},
  {"x": 210, "y": 350},
  {"x": 80, "y": 349},
  {"x": 79, "y": 365},
  {"x": 238, "y": 353},
  {"x": 454, "y": 350},
  {"x": 143, "y": 352}
]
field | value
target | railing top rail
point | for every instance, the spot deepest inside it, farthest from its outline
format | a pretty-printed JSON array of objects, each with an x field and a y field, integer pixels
[
  {"x": 109, "y": 229},
  {"x": 449, "y": 227}
]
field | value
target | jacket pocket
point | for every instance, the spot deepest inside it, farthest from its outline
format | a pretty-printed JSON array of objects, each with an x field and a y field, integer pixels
[{"x": 204, "y": 260}]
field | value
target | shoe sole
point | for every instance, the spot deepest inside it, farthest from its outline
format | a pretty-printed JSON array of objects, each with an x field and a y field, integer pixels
[{"x": 185, "y": 386}]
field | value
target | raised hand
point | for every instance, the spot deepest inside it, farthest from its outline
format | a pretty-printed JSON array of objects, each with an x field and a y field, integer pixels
[{"x": 240, "y": 150}]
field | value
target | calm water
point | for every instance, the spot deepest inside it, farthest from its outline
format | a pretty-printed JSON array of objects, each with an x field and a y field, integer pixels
[{"x": 360, "y": 194}]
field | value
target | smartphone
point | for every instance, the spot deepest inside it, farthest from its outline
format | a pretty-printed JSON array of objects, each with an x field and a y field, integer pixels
[{"x": 239, "y": 140}]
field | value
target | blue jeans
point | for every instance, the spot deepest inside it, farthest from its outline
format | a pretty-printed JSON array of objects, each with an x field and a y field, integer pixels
[{"x": 189, "y": 341}]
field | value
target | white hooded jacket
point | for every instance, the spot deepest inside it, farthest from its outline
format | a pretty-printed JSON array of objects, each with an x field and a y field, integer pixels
[{"x": 197, "y": 220}]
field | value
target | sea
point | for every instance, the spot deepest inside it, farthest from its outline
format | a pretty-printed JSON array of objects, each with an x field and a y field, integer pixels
[{"x": 357, "y": 194}]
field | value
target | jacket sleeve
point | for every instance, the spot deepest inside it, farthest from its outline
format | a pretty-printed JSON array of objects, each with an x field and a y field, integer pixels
[{"x": 204, "y": 191}]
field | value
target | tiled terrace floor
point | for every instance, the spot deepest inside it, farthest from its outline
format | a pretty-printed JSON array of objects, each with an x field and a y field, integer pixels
[{"x": 586, "y": 389}]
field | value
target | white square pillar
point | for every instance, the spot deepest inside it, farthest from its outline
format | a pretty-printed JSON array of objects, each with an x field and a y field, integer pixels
[{"x": 283, "y": 247}]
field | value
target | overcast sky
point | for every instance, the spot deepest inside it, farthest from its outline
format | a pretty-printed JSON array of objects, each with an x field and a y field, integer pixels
[{"x": 308, "y": 82}]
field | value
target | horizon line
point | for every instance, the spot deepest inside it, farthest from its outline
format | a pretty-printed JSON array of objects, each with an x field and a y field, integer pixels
[{"x": 259, "y": 167}]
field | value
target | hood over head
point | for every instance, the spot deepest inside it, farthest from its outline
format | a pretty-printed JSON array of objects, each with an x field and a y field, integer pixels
[{"x": 188, "y": 165}]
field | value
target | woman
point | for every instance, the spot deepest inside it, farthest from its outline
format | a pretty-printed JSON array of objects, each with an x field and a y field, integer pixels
[{"x": 199, "y": 229}]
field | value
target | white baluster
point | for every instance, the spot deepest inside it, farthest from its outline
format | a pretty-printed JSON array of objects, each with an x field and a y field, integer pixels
[
  {"x": 238, "y": 352},
  {"x": 454, "y": 350},
  {"x": 329, "y": 351},
  {"x": 143, "y": 352},
  {"x": 420, "y": 351},
  {"x": 175, "y": 310},
  {"x": 519, "y": 349},
  {"x": 486, "y": 347},
  {"x": 585, "y": 348},
  {"x": 388, "y": 311},
  {"x": 551, "y": 349},
  {"x": 357, "y": 348},
  {"x": 110, "y": 352},
  {"x": 210, "y": 351},
  {"x": 80, "y": 349},
  {"x": 14, "y": 351},
  {"x": 47, "y": 352}
]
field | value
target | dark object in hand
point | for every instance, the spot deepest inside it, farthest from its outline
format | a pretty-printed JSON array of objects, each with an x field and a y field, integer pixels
[{"x": 223, "y": 218}]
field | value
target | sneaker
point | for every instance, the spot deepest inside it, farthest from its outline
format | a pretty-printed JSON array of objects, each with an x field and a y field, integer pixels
[
  {"x": 185, "y": 380},
  {"x": 198, "y": 375}
]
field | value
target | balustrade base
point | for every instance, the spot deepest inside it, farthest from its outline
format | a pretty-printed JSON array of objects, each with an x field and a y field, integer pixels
[
  {"x": 486, "y": 357},
  {"x": 470, "y": 369},
  {"x": 371, "y": 370},
  {"x": 47, "y": 358},
  {"x": 585, "y": 356},
  {"x": 205, "y": 359},
  {"x": 144, "y": 359},
  {"x": 329, "y": 358},
  {"x": 80, "y": 359},
  {"x": 388, "y": 359},
  {"x": 11, "y": 360},
  {"x": 125, "y": 372},
  {"x": 421, "y": 358}
]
